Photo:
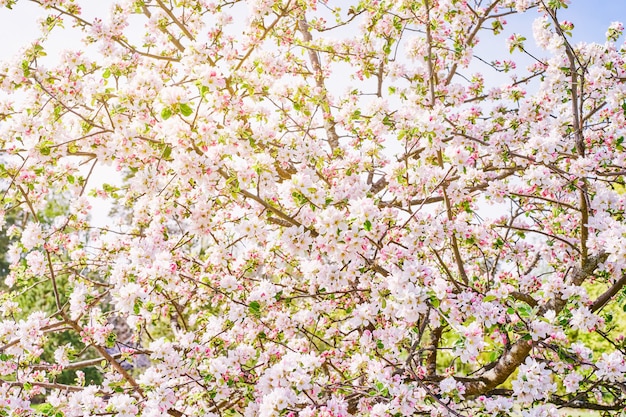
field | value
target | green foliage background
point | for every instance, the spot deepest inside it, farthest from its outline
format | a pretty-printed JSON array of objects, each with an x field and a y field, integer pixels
[{"x": 35, "y": 294}]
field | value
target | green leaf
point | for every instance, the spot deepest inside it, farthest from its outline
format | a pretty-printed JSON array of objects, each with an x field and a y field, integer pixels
[
  {"x": 524, "y": 311},
  {"x": 44, "y": 147},
  {"x": 110, "y": 340},
  {"x": 107, "y": 73},
  {"x": 39, "y": 51},
  {"x": 299, "y": 198},
  {"x": 167, "y": 152},
  {"x": 497, "y": 27},
  {"x": 26, "y": 68},
  {"x": 137, "y": 306},
  {"x": 367, "y": 225},
  {"x": 255, "y": 309},
  {"x": 185, "y": 109},
  {"x": 166, "y": 113},
  {"x": 47, "y": 410}
]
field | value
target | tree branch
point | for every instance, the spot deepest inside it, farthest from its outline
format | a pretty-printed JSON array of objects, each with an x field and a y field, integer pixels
[{"x": 606, "y": 296}]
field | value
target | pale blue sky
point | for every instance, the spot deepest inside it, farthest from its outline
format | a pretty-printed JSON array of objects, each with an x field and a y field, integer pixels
[
  {"x": 591, "y": 18},
  {"x": 19, "y": 26}
]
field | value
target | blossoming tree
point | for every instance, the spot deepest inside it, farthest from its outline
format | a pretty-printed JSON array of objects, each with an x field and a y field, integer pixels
[{"x": 321, "y": 211}]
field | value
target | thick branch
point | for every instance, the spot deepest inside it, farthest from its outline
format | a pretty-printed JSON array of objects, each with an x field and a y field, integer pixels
[
  {"x": 608, "y": 294},
  {"x": 329, "y": 125},
  {"x": 513, "y": 358},
  {"x": 431, "y": 359}
]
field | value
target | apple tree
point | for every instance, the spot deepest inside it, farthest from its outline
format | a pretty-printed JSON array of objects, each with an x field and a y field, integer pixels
[{"x": 319, "y": 208}]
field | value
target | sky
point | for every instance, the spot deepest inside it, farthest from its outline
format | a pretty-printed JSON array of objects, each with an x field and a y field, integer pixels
[
  {"x": 19, "y": 26},
  {"x": 592, "y": 17}
]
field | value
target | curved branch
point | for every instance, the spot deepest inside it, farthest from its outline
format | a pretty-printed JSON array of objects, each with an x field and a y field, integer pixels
[
  {"x": 606, "y": 296},
  {"x": 499, "y": 371}
]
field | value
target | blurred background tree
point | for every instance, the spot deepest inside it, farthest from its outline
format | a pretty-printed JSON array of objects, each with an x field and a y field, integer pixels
[{"x": 37, "y": 295}]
